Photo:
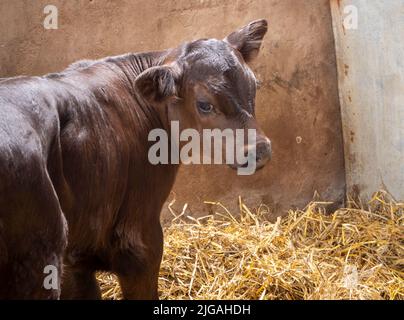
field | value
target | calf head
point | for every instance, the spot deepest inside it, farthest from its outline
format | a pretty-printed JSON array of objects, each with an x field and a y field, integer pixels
[{"x": 207, "y": 84}]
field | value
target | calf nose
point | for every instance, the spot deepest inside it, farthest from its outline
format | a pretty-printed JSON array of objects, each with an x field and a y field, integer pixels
[{"x": 263, "y": 151}]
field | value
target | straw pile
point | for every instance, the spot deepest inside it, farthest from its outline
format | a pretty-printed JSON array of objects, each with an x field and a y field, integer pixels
[{"x": 354, "y": 253}]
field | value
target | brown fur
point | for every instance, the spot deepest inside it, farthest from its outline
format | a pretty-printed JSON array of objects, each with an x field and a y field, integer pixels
[{"x": 74, "y": 146}]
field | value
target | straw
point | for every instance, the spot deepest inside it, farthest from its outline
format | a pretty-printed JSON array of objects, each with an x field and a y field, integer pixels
[{"x": 354, "y": 253}]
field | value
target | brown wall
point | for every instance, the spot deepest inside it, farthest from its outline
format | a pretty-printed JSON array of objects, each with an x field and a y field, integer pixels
[{"x": 297, "y": 68}]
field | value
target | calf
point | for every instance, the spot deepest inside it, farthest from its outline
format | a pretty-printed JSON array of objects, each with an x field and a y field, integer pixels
[{"x": 77, "y": 190}]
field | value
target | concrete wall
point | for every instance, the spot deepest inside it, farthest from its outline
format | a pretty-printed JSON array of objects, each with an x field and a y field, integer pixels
[
  {"x": 371, "y": 84},
  {"x": 297, "y": 106}
]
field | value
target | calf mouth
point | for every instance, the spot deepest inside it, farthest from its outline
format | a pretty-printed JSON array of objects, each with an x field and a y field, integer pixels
[
  {"x": 263, "y": 153},
  {"x": 258, "y": 166}
]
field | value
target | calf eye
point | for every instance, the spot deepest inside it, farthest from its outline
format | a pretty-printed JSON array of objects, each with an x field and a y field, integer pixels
[{"x": 204, "y": 107}]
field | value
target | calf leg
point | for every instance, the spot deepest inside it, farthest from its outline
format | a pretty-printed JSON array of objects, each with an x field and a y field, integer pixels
[
  {"x": 27, "y": 276},
  {"x": 138, "y": 267},
  {"x": 80, "y": 284},
  {"x": 32, "y": 239}
]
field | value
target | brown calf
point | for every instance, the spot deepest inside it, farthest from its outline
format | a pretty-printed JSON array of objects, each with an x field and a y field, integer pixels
[{"x": 75, "y": 179}]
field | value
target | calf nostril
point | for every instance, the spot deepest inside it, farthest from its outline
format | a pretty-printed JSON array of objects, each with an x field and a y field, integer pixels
[{"x": 263, "y": 151}]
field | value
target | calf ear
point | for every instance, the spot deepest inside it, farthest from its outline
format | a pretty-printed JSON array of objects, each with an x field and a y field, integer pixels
[
  {"x": 248, "y": 39},
  {"x": 157, "y": 84}
]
